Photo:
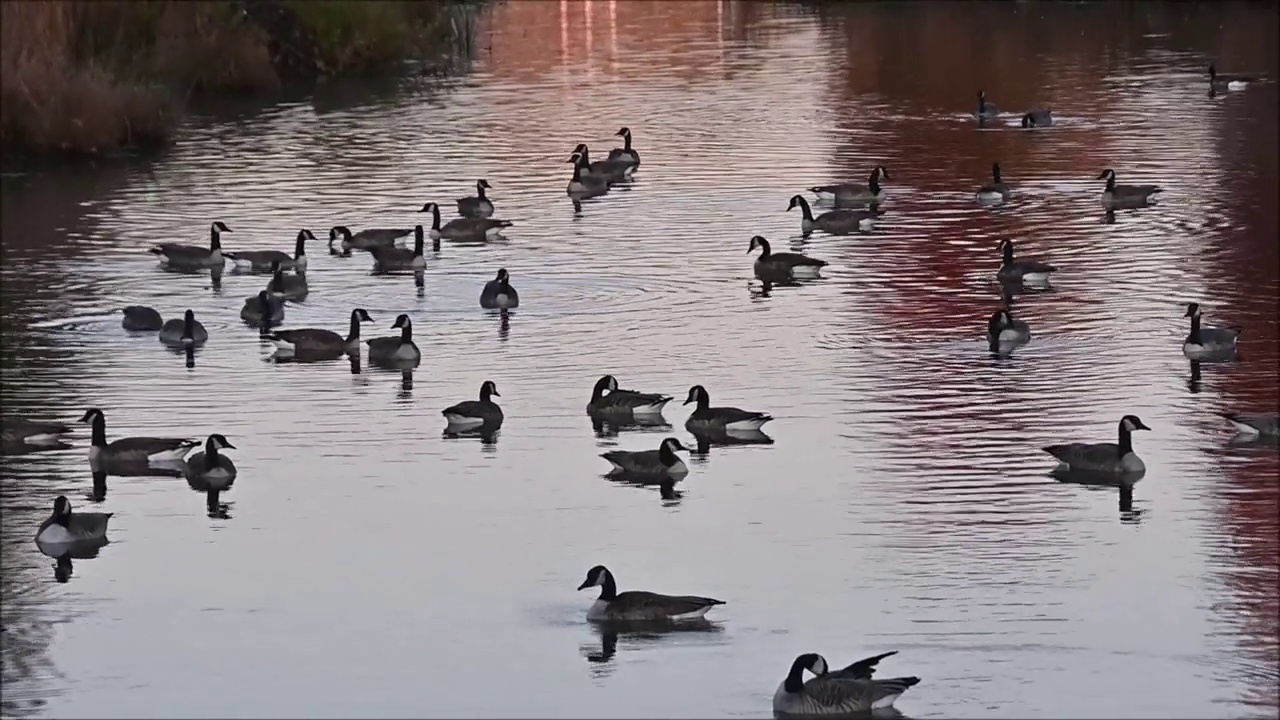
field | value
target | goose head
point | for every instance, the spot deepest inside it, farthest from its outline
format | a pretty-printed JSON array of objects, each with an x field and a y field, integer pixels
[
  {"x": 995, "y": 171},
  {"x": 1107, "y": 174},
  {"x": 696, "y": 394},
  {"x": 797, "y": 201},
  {"x": 218, "y": 441},
  {"x": 758, "y": 242},
  {"x": 1193, "y": 310},
  {"x": 1132, "y": 422},
  {"x": 489, "y": 389},
  {"x": 91, "y": 415},
  {"x": 402, "y": 321},
  {"x": 672, "y": 445},
  {"x": 482, "y": 185},
  {"x": 219, "y": 227},
  {"x": 503, "y": 276},
  {"x": 607, "y": 382},
  {"x": 361, "y": 315},
  {"x": 595, "y": 577},
  {"x": 623, "y": 133},
  {"x": 812, "y": 662},
  {"x": 881, "y": 172},
  {"x": 1213, "y": 72}
]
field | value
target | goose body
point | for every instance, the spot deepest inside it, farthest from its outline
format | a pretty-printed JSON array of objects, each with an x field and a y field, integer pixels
[
  {"x": 835, "y": 222},
  {"x": 498, "y": 293},
  {"x": 720, "y": 418},
  {"x": 17, "y": 431},
  {"x": 474, "y": 413},
  {"x": 662, "y": 462},
  {"x": 262, "y": 309},
  {"x": 1228, "y": 82},
  {"x": 132, "y": 450},
  {"x": 625, "y": 154},
  {"x": 391, "y": 257},
  {"x": 210, "y": 468},
  {"x": 1114, "y": 195},
  {"x": 641, "y": 606},
  {"x": 365, "y": 239},
  {"x": 287, "y": 287},
  {"x": 836, "y": 694},
  {"x": 854, "y": 193},
  {"x": 1024, "y": 271},
  {"x": 318, "y": 343},
  {"x": 985, "y": 110},
  {"x": 583, "y": 184},
  {"x": 395, "y": 348},
  {"x": 263, "y": 260},
  {"x": 996, "y": 190},
  {"x": 1254, "y": 425},
  {"x": 613, "y": 171},
  {"x": 1037, "y": 117},
  {"x": 771, "y": 264},
  {"x": 1103, "y": 458},
  {"x": 140, "y": 318},
  {"x": 187, "y": 331},
  {"x": 478, "y": 206},
  {"x": 466, "y": 228},
  {"x": 1003, "y": 330},
  {"x": 194, "y": 256},
  {"x": 1204, "y": 340},
  {"x": 623, "y": 402},
  {"x": 65, "y": 527}
]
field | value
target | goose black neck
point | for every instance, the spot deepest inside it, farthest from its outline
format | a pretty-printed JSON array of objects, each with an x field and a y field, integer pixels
[
  {"x": 435, "y": 217},
  {"x": 485, "y": 394},
  {"x": 1126, "y": 440},
  {"x": 597, "y": 392},
  {"x": 994, "y": 327},
  {"x": 1111, "y": 182},
  {"x": 99, "y": 435},
  {"x": 586, "y": 158},
  {"x": 795, "y": 679},
  {"x": 1195, "y": 329},
  {"x": 277, "y": 280},
  {"x": 417, "y": 241},
  {"x": 608, "y": 588},
  {"x": 703, "y": 401},
  {"x": 354, "y": 334},
  {"x": 765, "y": 250},
  {"x": 995, "y": 173},
  {"x": 874, "y": 184},
  {"x": 406, "y": 333},
  {"x": 299, "y": 248},
  {"x": 626, "y": 142},
  {"x": 667, "y": 456},
  {"x": 1008, "y": 254},
  {"x": 210, "y": 455},
  {"x": 189, "y": 326},
  {"x": 480, "y": 191},
  {"x": 804, "y": 209},
  {"x": 215, "y": 239}
]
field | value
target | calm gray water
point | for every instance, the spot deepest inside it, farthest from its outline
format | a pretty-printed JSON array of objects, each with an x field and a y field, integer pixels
[{"x": 369, "y": 566}]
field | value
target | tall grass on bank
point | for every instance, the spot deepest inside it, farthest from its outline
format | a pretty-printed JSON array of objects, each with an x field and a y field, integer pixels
[{"x": 93, "y": 76}]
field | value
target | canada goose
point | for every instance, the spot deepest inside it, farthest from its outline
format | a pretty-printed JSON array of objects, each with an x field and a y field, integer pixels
[
  {"x": 840, "y": 693},
  {"x": 19, "y": 432},
  {"x": 1114, "y": 195},
  {"x": 1254, "y": 424},
  {"x": 835, "y": 222},
  {"x": 623, "y": 402},
  {"x": 771, "y": 264},
  {"x": 194, "y": 256},
  {"x": 498, "y": 293},
  {"x": 395, "y": 347},
  {"x": 287, "y": 287},
  {"x": 320, "y": 344},
  {"x": 365, "y": 239},
  {"x": 390, "y": 257},
  {"x": 187, "y": 331},
  {"x": 996, "y": 190},
  {"x": 476, "y": 412},
  {"x": 260, "y": 260},
  {"x": 64, "y": 527},
  {"x": 1228, "y": 82},
  {"x": 1207, "y": 340},
  {"x": 662, "y": 461},
  {"x": 1026, "y": 271},
  {"x": 132, "y": 450},
  {"x": 583, "y": 184},
  {"x": 667, "y": 489},
  {"x": 985, "y": 109},
  {"x": 262, "y": 309},
  {"x": 464, "y": 228},
  {"x": 478, "y": 206},
  {"x": 211, "y": 468},
  {"x": 613, "y": 171},
  {"x": 141, "y": 317},
  {"x": 1102, "y": 457},
  {"x": 625, "y": 153},
  {"x": 1003, "y": 330},
  {"x": 1037, "y": 117},
  {"x": 727, "y": 418},
  {"x": 853, "y": 193},
  {"x": 638, "y": 605}
]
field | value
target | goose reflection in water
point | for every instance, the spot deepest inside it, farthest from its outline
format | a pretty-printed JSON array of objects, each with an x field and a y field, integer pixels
[
  {"x": 100, "y": 475},
  {"x": 1103, "y": 482},
  {"x": 504, "y": 325},
  {"x": 637, "y": 637},
  {"x": 609, "y": 427},
  {"x": 706, "y": 438}
]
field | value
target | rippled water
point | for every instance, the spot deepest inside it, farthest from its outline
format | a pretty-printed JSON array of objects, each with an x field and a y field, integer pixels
[{"x": 370, "y": 566}]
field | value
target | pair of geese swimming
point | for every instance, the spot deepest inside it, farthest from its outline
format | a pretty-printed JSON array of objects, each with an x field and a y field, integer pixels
[{"x": 840, "y": 692}]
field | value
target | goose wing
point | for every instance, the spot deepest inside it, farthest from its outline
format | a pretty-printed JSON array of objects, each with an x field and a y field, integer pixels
[
  {"x": 640, "y": 461},
  {"x": 17, "y": 427},
  {"x": 466, "y": 408},
  {"x": 637, "y": 602},
  {"x": 1085, "y": 454},
  {"x": 381, "y": 236},
  {"x": 849, "y": 695},
  {"x": 1219, "y": 335},
  {"x": 178, "y": 251},
  {"x": 839, "y": 189},
  {"x": 308, "y": 336},
  {"x": 1262, "y": 423},
  {"x": 863, "y": 669},
  {"x": 261, "y": 258},
  {"x": 390, "y": 254},
  {"x": 1135, "y": 190},
  {"x": 1034, "y": 266},
  {"x": 150, "y": 445},
  {"x": 634, "y": 398},
  {"x": 88, "y": 525},
  {"x": 796, "y": 259},
  {"x": 728, "y": 415}
]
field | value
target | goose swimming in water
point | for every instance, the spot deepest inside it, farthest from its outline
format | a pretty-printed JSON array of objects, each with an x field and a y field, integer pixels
[
  {"x": 390, "y": 257},
  {"x": 321, "y": 344},
  {"x": 465, "y": 228},
  {"x": 995, "y": 191},
  {"x": 399, "y": 348},
  {"x": 262, "y": 309},
  {"x": 210, "y": 470},
  {"x": 1103, "y": 458},
  {"x": 187, "y": 331},
  {"x": 835, "y": 222},
  {"x": 1228, "y": 82},
  {"x": 287, "y": 287},
  {"x": 583, "y": 184},
  {"x": 772, "y": 265},
  {"x": 624, "y": 154},
  {"x": 613, "y": 171},
  {"x": 498, "y": 293},
  {"x": 1204, "y": 340},
  {"x": 639, "y": 605},
  {"x": 720, "y": 418},
  {"x": 1023, "y": 271},
  {"x": 139, "y": 318},
  {"x": 365, "y": 239},
  {"x": 261, "y": 260},
  {"x": 65, "y": 527},
  {"x": 1121, "y": 196},
  {"x": 1254, "y": 424},
  {"x": 623, "y": 402},
  {"x": 18, "y": 433},
  {"x": 985, "y": 109},
  {"x": 194, "y": 256},
  {"x": 662, "y": 462},
  {"x": 1004, "y": 331},
  {"x": 132, "y": 450},
  {"x": 854, "y": 193},
  {"x": 478, "y": 206},
  {"x": 836, "y": 694},
  {"x": 473, "y": 413},
  {"x": 1038, "y": 117}
]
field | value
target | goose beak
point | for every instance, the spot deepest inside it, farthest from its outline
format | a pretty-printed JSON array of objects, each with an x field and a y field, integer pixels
[
  {"x": 1140, "y": 426},
  {"x": 1103, "y": 176},
  {"x": 585, "y": 584},
  {"x": 686, "y": 402}
]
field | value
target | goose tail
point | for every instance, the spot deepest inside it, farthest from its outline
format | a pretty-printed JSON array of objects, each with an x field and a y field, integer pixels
[
  {"x": 886, "y": 691},
  {"x": 155, "y": 250}
]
